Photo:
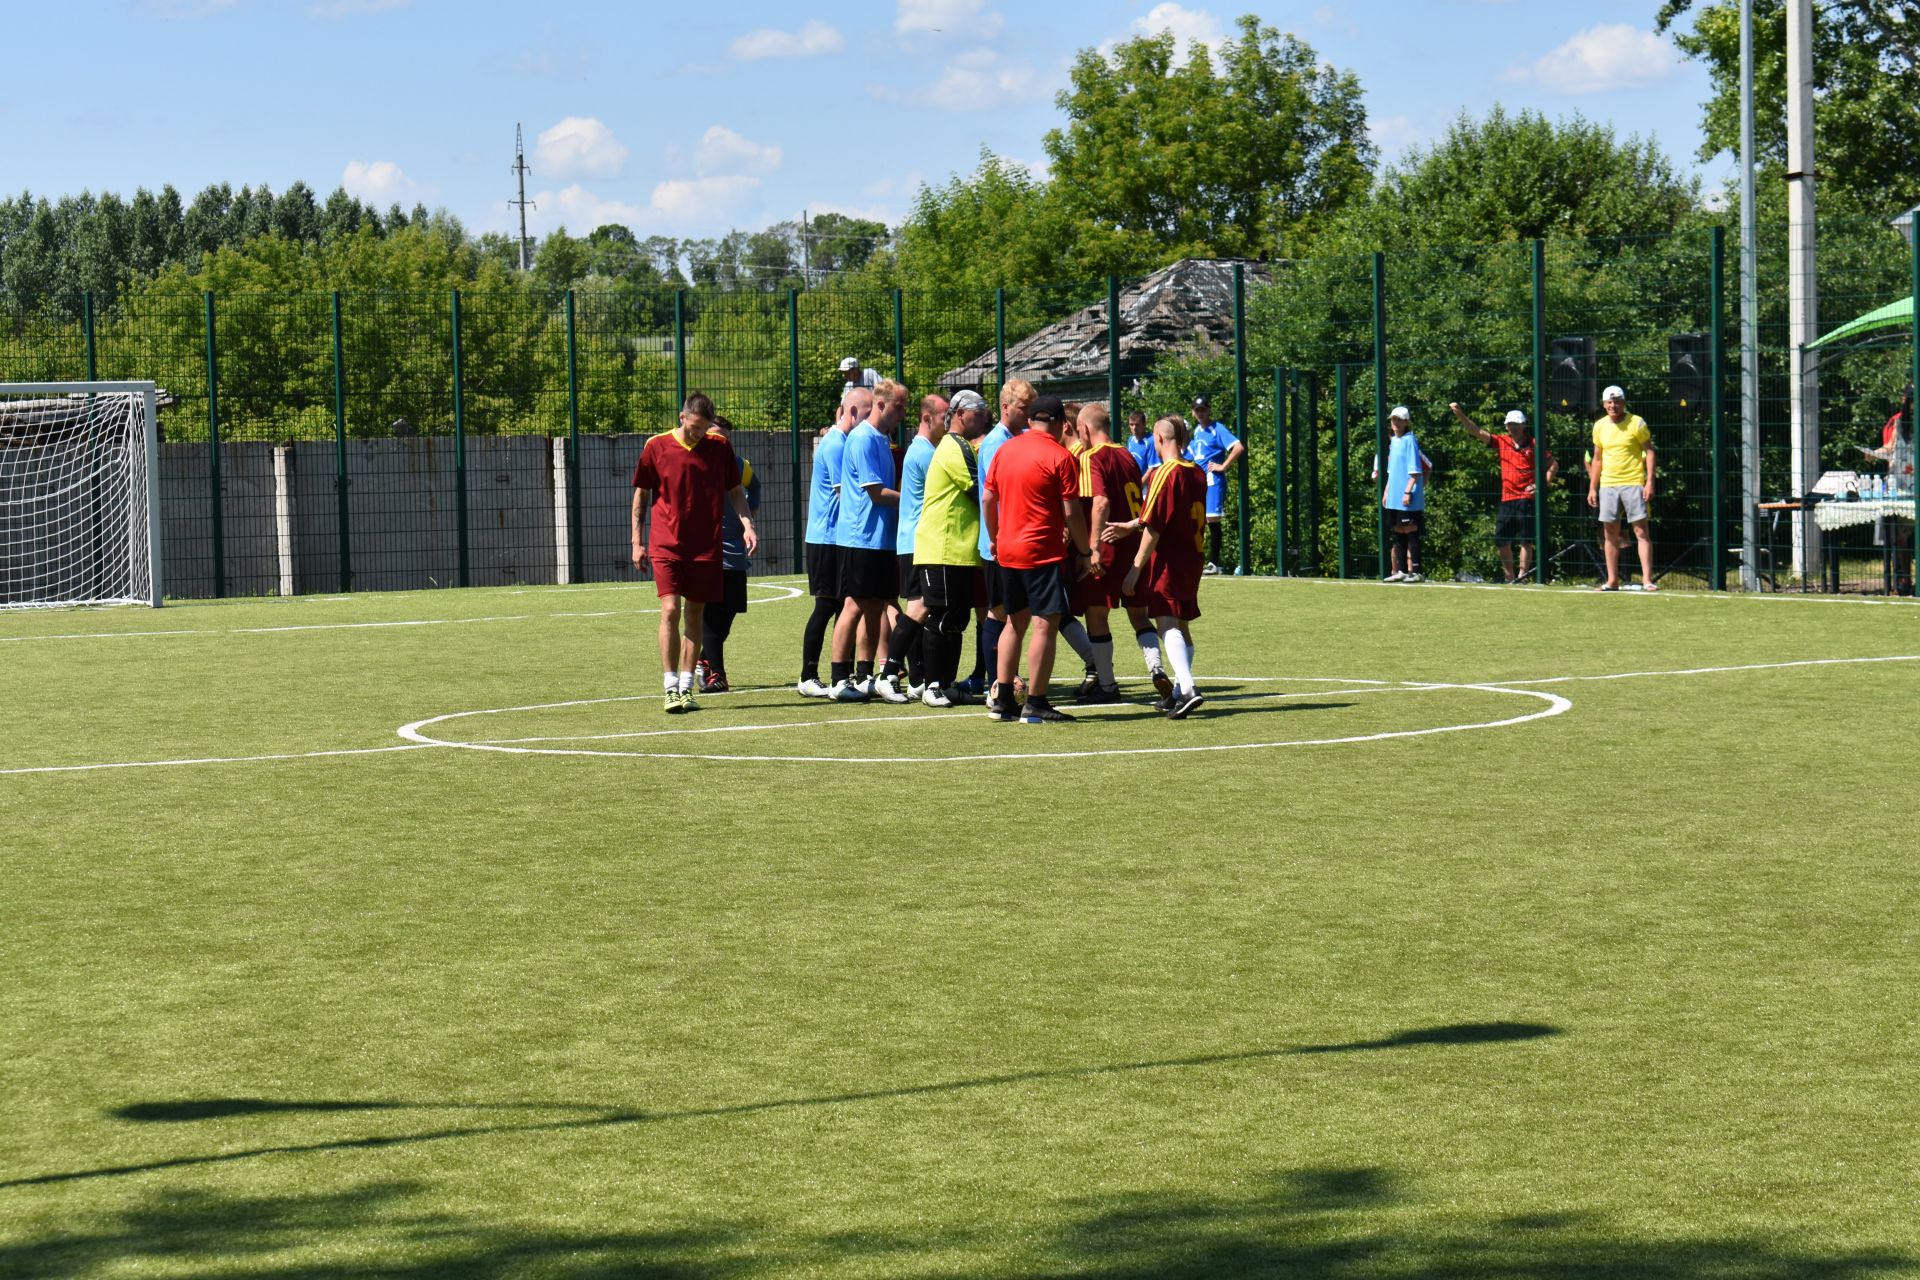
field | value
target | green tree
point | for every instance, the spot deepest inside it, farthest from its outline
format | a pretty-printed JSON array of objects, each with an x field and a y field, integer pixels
[
  {"x": 561, "y": 260},
  {"x": 999, "y": 226},
  {"x": 1162, "y": 159},
  {"x": 836, "y": 242},
  {"x": 1866, "y": 70}
]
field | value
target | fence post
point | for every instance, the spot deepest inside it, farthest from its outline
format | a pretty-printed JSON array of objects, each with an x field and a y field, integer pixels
[
  {"x": 796, "y": 478},
  {"x": 459, "y": 449},
  {"x": 1380, "y": 393},
  {"x": 1340, "y": 461},
  {"x": 1113, "y": 353},
  {"x": 1280, "y": 473},
  {"x": 86, "y": 316},
  {"x": 1539, "y": 412},
  {"x": 1913, "y": 372},
  {"x": 679, "y": 348},
  {"x": 213, "y": 457},
  {"x": 1717, "y": 412},
  {"x": 999, "y": 348},
  {"x": 342, "y": 517},
  {"x": 1310, "y": 463},
  {"x": 576, "y": 536},
  {"x": 1242, "y": 472},
  {"x": 902, "y": 429}
]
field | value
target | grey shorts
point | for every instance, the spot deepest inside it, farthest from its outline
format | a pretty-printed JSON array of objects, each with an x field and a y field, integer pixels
[{"x": 1622, "y": 502}]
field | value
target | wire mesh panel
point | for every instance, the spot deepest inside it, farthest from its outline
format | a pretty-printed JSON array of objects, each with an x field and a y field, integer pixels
[{"x": 42, "y": 341}]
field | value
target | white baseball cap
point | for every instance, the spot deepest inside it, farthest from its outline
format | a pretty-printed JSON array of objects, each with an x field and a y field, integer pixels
[
  {"x": 851, "y": 362},
  {"x": 965, "y": 400},
  {"x": 1400, "y": 412},
  {"x": 1515, "y": 418},
  {"x": 1613, "y": 393}
]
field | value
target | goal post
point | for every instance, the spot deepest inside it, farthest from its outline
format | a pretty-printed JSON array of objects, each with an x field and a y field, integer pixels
[{"x": 79, "y": 494}]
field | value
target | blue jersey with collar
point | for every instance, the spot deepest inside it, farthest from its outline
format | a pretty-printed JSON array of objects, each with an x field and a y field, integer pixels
[
  {"x": 1145, "y": 456},
  {"x": 989, "y": 445},
  {"x": 864, "y": 523},
  {"x": 823, "y": 494},
  {"x": 913, "y": 492},
  {"x": 1210, "y": 444}
]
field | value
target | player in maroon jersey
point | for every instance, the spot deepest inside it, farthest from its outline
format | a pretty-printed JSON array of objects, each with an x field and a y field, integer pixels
[
  {"x": 1169, "y": 561},
  {"x": 691, "y": 473},
  {"x": 1110, "y": 482}
]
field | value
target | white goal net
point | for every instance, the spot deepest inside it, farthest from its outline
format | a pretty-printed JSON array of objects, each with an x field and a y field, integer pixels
[{"x": 79, "y": 494}]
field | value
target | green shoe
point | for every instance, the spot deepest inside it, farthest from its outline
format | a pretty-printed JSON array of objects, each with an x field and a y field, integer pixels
[{"x": 676, "y": 702}]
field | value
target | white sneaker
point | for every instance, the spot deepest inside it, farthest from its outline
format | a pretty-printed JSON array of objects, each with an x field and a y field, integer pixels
[
  {"x": 888, "y": 690},
  {"x": 915, "y": 690},
  {"x": 848, "y": 691},
  {"x": 1413, "y": 577},
  {"x": 934, "y": 696},
  {"x": 865, "y": 685},
  {"x": 813, "y": 689},
  {"x": 1395, "y": 576},
  {"x": 1210, "y": 570}
]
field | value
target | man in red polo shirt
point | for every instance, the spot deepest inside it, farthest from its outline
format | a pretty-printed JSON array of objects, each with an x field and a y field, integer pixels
[
  {"x": 1168, "y": 563},
  {"x": 1031, "y": 507},
  {"x": 1513, "y": 522},
  {"x": 692, "y": 473}
]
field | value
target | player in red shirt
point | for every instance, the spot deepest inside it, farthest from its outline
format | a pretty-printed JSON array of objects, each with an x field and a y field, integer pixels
[
  {"x": 1031, "y": 508},
  {"x": 1513, "y": 525},
  {"x": 1110, "y": 483},
  {"x": 691, "y": 473},
  {"x": 1170, "y": 558}
]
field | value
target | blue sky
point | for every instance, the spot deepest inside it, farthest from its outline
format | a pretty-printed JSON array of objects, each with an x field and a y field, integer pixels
[{"x": 686, "y": 120}]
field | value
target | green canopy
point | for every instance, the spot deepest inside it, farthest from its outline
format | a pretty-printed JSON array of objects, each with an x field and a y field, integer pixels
[{"x": 1895, "y": 315}]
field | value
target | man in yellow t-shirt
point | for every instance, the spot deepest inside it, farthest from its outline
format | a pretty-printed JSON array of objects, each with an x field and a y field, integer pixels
[
  {"x": 1620, "y": 485},
  {"x": 946, "y": 545}
]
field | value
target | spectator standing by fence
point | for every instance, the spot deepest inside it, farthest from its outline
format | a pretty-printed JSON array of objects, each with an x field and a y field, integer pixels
[
  {"x": 1214, "y": 449},
  {"x": 1403, "y": 499},
  {"x": 1620, "y": 485},
  {"x": 1513, "y": 524}
]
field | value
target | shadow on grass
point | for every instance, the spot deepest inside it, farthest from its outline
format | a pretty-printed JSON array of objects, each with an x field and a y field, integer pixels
[
  {"x": 190, "y": 1109},
  {"x": 1333, "y": 1223}
]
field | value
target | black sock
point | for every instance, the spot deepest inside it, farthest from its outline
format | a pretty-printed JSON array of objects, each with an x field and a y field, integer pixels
[
  {"x": 990, "y": 644},
  {"x": 1213, "y": 541},
  {"x": 842, "y": 672},
  {"x": 824, "y": 612},
  {"x": 933, "y": 654},
  {"x": 901, "y": 645},
  {"x": 917, "y": 665},
  {"x": 862, "y": 670}
]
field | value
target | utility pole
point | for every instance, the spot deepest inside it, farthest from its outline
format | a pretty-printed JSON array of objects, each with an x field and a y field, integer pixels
[
  {"x": 1803, "y": 290},
  {"x": 1749, "y": 323},
  {"x": 520, "y": 172}
]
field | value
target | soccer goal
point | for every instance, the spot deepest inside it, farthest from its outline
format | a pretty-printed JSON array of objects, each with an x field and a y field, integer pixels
[{"x": 79, "y": 494}]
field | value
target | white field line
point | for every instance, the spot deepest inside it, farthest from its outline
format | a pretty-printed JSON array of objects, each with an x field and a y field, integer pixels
[
  {"x": 1708, "y": 671},
  {"x": 157, "y": 764},
  {"x": 788, "y": 593},
  {"x": 1559, "y": 592}
]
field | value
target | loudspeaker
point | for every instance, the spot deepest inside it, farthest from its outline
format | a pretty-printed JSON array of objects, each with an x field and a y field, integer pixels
[
  {"x": 1571, "y": 386},
  {"x": 1690, "y": 368}
]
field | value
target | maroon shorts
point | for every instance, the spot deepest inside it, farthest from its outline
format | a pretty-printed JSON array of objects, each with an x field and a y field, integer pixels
[
  {"x": 1118, "y": 558},
  {"x": 696, "y": 580},
  {"x": 1159, "y": 606},
  {"x": 1085, "y": 593}
]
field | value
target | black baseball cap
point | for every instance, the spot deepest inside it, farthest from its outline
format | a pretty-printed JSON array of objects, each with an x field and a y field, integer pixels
[
  {"x": 1201, "y": 402},
  {"x": 1046, "y": 409}
]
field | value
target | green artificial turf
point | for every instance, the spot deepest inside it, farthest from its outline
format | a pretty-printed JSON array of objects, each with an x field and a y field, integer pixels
[{"x": 1627, "y": 990}]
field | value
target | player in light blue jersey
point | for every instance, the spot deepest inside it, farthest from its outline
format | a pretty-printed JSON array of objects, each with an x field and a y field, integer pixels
[
  {"x": 903, "y": 642},
  {"x": 1214, "y": 449},
  {"x": 1140, "y": 445},
  {"x": 823, "y": 517},
  {"x": 865, "y": 531}
]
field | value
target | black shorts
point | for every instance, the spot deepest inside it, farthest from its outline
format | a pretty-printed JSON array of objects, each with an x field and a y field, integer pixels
[
  {"x": 1514, "y": 521},
  {"x": 1418, "y": 519},
  {"x": 909, "y": 587},
  {"x": 823, "y": 571},
  {"x": 868, "y": 573},
  {"x": 733, "y": 591},
  {"x": 995, "y": 582},
  {"x": 1043, "y": 590},
  {"x": 947, "y": 586}
]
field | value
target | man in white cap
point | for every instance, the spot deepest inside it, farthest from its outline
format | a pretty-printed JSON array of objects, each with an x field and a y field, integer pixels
[
  {"x": 1620, "y": 485},
  {"x": 1403, "y": 499},
  {"x": 856, "y": 376},
  {"x": 1513, "y": 524}
]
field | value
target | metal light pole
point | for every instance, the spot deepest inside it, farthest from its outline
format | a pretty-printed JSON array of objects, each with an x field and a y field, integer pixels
[
  {"x": 1749, "y": 323},
  {"x": 1803, "y": 294}
]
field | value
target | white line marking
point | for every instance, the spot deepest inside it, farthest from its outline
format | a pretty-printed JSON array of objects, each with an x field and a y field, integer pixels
[
  {"x": 157, "y": 764},
  {"x": 788, "y": 593},
  {"x": 1555, "y": 591},
  {"x": 1556, "y": 705},
  {"x": 1706, "y": 671}
]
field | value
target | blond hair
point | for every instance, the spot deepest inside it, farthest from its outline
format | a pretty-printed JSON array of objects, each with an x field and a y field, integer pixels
[
  {"x": 1017, "y": 391},
  {"x": 890, "y": 391}
]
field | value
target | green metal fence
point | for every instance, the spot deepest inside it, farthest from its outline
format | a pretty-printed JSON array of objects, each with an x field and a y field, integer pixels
[{"x": 468, "y": 438}]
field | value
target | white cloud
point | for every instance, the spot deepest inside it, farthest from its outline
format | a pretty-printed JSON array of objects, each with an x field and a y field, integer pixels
[
  {"x": 963, "y": 18},
  {"x": 381, "y": 183},
  {"x": 336, "y": 9},
  {"x": 706, "y": 200},
  {"x": 978, "y": 80},
  {"x": 1189, "y": 27},
  {"x": 810, "y": 41},
  {"x": 722, "y": 151},
  {"x": 580, "y": 210},
  {"x": 580, "y": 145},
  {"x": 1394, "y": 134},
  {"x": 1600, "y": 60}
]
